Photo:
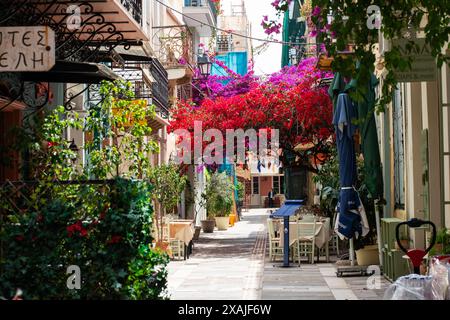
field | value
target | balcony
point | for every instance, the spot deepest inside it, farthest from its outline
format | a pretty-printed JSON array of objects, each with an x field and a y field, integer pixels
[
  {"x": 134, "y": 8},
  {"x": 204, "y": 11},
  {"x": 98, "y": 19},
  {"x": 174, "y": 48}
]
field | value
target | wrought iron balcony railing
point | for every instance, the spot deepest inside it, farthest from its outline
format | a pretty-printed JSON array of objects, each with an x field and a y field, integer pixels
[
  {"x": 160, "y": 89},
  {"x": 134, "y": 7},
  {"x": 203, "y": 3},
  {"x": 174, "y": 46}
]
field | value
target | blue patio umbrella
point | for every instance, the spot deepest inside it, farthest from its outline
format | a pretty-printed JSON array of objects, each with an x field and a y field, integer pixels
[
  {"x": 349, "y": 218},
  {"x": 288, "y": 209}
]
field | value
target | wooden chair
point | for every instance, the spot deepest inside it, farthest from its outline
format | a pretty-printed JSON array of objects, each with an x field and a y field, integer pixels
[
  {"x": 176, "y": 246},
  {"x": 275, "y": 249},
  {"x": 306, "y": 240}
]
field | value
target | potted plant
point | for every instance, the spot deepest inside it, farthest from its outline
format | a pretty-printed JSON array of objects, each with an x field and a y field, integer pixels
[
  {"x": 442, "y": 245},
  {"x": 218, "y": 197},
  {"x": 404, "y": 240}
]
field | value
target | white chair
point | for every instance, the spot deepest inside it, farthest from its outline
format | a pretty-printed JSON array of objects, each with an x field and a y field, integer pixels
[
  {"x": 306, "y": 240},
  {"x": 275, "y": 249},
  {"x": 334, "y": 241},
  {"x": 309, "y": 217}
]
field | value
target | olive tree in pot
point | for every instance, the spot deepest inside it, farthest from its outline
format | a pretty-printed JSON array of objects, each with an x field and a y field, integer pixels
[
  {"x": 168, "y": 184},
  {"x": 218, "y": 197}
]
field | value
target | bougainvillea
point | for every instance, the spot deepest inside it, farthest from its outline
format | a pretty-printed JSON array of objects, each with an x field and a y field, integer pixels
[{"x": 289, "y": 101}]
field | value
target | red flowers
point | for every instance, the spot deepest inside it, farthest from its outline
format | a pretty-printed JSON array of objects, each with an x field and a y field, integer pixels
[
  {"x": 114, "y": 239},
  {"x": 289, "y": 102},
  {"x": 77, "y": 228},
  {"x": 51, "y": 144}
]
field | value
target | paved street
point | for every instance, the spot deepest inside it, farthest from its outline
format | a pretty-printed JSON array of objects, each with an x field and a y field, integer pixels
[{"x": 234, "y": 264}]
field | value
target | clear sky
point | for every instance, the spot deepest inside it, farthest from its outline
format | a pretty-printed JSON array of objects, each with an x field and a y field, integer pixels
[{"x": 270, "y": 60}]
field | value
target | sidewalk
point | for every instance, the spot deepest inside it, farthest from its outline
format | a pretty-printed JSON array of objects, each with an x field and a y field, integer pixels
[{"x": 234, "y": 265}]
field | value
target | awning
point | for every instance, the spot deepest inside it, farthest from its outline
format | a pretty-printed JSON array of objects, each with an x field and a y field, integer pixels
[
  {"x": 73, "y": 72},
  {"x": 289, "y": 208}
]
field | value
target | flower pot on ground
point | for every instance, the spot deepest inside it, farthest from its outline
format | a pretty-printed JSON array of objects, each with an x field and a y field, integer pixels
[
  {"x": 368, "y": 256},
  {"x": 404, "y": 242},
  {"x": 197, "y": 233},
  {"x": 218, "y": 197},
  {"x": 222, "y": 223},
  {"x": 208, "y": 225}
]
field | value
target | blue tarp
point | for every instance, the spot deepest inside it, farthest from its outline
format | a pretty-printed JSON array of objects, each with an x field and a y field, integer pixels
[{"x": 288, "y": 209}]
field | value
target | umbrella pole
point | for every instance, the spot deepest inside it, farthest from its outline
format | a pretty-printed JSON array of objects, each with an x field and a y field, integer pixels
[
  {"x": 377, "y": 221},
  {"x": 352, "y": 253}
]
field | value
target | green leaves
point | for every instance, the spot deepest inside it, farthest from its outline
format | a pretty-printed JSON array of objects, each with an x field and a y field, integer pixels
[
  {"x": 348, "y": 29},
  {"x": 218, "y": 195}
]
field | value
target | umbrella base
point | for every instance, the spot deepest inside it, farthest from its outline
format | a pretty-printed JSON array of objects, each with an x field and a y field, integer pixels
[{"x": 353, "y": 271}]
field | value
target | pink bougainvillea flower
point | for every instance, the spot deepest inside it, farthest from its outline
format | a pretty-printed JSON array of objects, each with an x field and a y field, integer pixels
[{"x": 316, "y": 11}]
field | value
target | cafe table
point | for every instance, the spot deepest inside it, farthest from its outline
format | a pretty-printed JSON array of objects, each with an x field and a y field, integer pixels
[
  {"x": 183, "y": 230},
  {"x": 322, "y": 236}
]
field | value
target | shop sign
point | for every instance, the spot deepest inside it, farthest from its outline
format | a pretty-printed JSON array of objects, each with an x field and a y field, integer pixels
[
  {"x": 27, "y": 49},
  {"x": 423, "y": 65}
]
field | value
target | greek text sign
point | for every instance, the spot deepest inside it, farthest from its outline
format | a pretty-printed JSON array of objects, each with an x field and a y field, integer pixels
[
  {"x": 423, "y": 66},
  {"x": 27, "y": 49}
]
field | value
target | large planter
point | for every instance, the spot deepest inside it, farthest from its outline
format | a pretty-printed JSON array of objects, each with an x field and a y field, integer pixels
[
  {"x": 197, "y": 233},
  {"x": 222, "y": 223},
  {"x": 208, "y": 226},
  {"x": 368, "y": 256}
]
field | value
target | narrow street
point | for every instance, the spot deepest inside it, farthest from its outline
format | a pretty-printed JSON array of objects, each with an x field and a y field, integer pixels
[
  {"x": 234, "y": 265},
  {"x": 225, "y": 265}
]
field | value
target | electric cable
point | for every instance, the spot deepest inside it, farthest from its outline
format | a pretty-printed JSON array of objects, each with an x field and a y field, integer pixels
[{"x": 234, "y": 33}]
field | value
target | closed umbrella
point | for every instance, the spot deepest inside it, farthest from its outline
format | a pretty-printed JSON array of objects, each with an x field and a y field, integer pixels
[
  {"x": 373, "y": 176},
  {"x": 351, "y": 218}
]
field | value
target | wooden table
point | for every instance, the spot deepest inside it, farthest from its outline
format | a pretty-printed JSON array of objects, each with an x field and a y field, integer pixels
[
  {"x": 183, "y": 230},
  {"x": 322, "y": 237}
]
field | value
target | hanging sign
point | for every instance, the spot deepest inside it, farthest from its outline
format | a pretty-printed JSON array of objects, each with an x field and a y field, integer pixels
[
  {"x": 423, "y": 65},
  {"x": 27, "y": 49}
]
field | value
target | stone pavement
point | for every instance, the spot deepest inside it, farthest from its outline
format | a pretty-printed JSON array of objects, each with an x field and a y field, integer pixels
[{"x": 234, "y": 265}]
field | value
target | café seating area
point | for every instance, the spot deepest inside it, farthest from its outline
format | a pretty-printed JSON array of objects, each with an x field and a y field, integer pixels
[
  {"x": 310, "y": 238},
  {"x": 177, "y": 236}
]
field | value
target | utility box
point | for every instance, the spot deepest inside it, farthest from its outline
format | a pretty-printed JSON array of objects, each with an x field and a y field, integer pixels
[{"x": 395, "y": 265}]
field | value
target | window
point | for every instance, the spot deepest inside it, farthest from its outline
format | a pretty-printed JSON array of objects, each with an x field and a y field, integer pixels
[
  {"x": 278, "y": 185},
  {"x": 255, "y": 184},
  {"x": 399, "y": 153}
]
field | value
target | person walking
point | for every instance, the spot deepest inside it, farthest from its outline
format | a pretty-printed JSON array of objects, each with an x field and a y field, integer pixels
[{"x": 270, "y": 196}]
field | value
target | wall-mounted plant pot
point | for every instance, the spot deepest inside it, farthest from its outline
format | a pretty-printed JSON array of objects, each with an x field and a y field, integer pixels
[
  {"x": 222, "y": 223},
  {"x": 208, "y": 226}
]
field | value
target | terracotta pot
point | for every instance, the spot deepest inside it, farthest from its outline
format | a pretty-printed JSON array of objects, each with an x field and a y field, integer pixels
[
  {"x": 208, "y": 226},
  {"x": 197, "y": 233},
  {"x": 405, "y": 244},
  {"x": 222, "y": 223},
  {"x": 438, "y": 247}
]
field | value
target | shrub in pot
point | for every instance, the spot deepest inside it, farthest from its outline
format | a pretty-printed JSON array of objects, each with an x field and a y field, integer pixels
[{"x": 218, "y": 197}]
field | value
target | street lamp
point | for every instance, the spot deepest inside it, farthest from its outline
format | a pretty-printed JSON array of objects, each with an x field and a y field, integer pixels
[
  {"x": 204, "y": 64},
  {"x": 74, "y": 148}
]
